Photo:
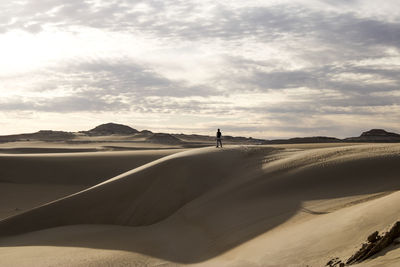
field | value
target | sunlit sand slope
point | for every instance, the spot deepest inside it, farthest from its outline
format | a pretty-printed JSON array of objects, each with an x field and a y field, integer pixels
[{"x": 238, "y": 206}]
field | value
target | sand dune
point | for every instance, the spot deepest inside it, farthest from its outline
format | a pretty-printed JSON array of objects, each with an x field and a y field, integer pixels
[
  {"x": 241, "y": 206},
  {"x": 17, "y": 198},
  {"x": 29, "y": 180},
  {"x": 72, "y": 168},
  {"x": 142, "y": 196}
]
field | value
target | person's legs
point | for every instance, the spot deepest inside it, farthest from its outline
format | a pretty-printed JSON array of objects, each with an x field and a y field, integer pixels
[{"x": 219, "y": 142}]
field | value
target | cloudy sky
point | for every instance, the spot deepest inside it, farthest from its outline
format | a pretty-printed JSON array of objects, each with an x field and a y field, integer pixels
[{"x": 267, "y": 69}]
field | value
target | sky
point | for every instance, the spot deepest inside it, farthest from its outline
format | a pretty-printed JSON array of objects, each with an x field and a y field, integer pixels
[{"x": 267, "y": 69}]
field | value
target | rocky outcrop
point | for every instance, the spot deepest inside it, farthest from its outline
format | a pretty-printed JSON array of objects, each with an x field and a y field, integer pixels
[
  {"x": 375, "y": 243},
  {"x": 379, "y": 132},
  {"x": 335, "y": 262},
  {"x": 375, "y": 135}
]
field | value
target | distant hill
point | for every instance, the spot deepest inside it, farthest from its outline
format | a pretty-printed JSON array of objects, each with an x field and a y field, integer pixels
[
  {"x": 226, "y": 138},
  {"x": 143, "y": 134},
  {"x": 379, "y": 132},
  {"x": 43, "y": 135},
  {"x": 164, "y": 138},
  {"x": 375, "y": 135},
  {"x": 241, "y": 139},
  {"x": 304, "y": 140},
  {"x": 111, "y": 128},
  {"x": 194, "y": 137},
  {"x": 146, "y": 132},
  {"x": 193, "y": 140}
]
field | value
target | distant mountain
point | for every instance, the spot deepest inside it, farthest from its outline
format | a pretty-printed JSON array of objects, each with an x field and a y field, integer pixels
[
  {"x": 375, "y": 135},
  {"x": 111, "y": 128}
]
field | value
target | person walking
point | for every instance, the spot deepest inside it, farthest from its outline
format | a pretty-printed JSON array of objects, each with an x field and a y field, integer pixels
[{"x": 219, "y": 135}]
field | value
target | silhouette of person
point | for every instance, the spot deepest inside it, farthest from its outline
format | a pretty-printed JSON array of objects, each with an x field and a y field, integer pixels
[{"x": 219, "y": 142}]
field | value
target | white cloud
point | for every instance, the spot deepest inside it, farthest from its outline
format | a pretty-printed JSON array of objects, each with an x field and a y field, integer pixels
[{"x": 255, "y": 67}]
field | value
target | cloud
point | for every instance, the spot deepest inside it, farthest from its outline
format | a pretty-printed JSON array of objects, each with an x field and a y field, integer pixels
[
  {"x": 103, "y": 86},
  {"x": 231, "y": 59}
]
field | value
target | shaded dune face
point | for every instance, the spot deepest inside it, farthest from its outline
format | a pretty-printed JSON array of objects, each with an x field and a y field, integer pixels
[
  {"x": 72, "y": 168},
  {"x": 139, "y": 197},
  {"x": 207, "y": 201},
  {"x": 254, "y": 204}
]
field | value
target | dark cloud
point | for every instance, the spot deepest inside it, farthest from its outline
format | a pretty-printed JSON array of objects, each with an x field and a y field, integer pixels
[{"x": 180, "y": 19}]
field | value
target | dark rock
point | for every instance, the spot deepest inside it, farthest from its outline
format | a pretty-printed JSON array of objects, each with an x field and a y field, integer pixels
[
  {"x": 373, "y": 237},
  {"x": 360, "y": 254},
  {"x": 335, "y": 262},
  {"x": 379, "y": 243}
]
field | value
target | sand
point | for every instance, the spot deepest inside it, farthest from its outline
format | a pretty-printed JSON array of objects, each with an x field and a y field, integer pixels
[
  {"x": 29, "y": 180},
  {"x": 284, "y": 205}
]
